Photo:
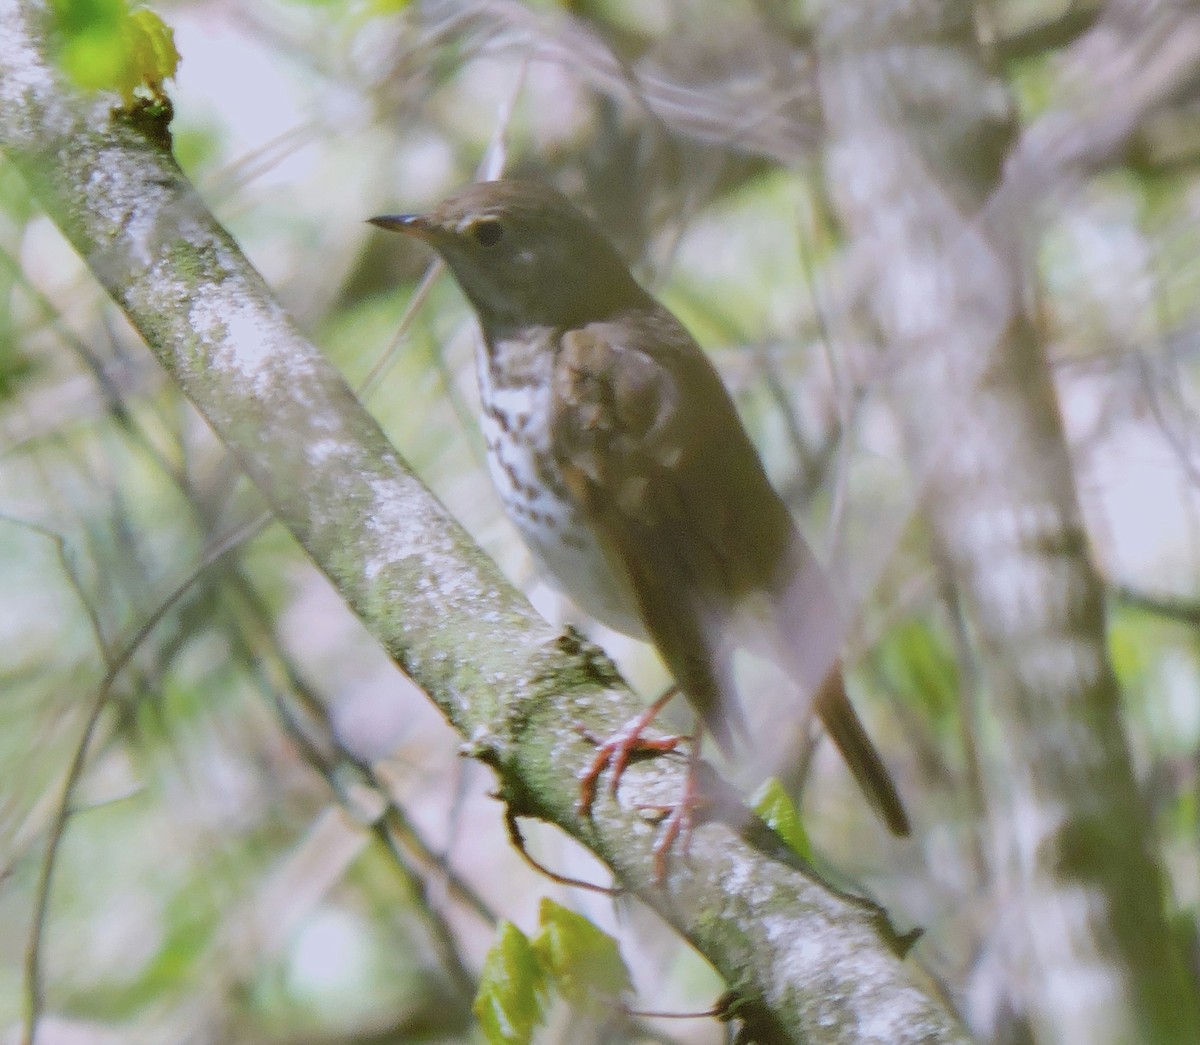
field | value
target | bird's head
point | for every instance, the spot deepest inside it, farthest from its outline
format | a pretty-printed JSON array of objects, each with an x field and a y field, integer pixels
[{"x": 524, "y": 255}]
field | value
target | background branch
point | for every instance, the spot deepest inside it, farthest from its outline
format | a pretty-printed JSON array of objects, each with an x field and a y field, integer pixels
[{"x": 1072, "y": 849}]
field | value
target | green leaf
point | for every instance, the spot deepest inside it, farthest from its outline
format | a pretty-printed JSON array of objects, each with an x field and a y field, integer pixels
[
  {"x": 779, "y": 813},
  {"x": 94, "y": 57},
  {"x": 103, "y": 45},
  {"x": 512, "y": 988},
  {"x": 76, "y": 16},
  {"x": 583, "y": 960},
  {"x": 150, "y": 50}
]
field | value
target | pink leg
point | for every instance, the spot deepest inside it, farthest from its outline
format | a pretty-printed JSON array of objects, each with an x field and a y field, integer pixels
[
  {"x": 617, "y": 749},
  {"x": 680, "y": 821}
]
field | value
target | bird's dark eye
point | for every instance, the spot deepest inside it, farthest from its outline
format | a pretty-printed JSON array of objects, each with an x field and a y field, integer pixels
[{"x": 487, "y": 232}]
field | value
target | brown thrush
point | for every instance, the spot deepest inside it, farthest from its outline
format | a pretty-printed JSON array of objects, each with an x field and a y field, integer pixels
[{"x": 621, "y": 459}]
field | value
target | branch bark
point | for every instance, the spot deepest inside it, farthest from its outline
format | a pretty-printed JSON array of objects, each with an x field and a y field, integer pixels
[
  {"x": 919, "y": 130},
  {"x": 805, "y": 962}
]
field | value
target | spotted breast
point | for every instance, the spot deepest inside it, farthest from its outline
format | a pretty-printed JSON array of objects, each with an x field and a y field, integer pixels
[{"x": 515, "y": 391}]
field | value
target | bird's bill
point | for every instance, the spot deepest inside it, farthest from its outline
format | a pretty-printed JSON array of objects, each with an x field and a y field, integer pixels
[{"x": 410, "y": 224}]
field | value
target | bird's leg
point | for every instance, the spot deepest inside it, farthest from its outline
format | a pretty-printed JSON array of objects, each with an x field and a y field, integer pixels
[
  {"x": 681, "y": 820},
  {"x": 617, "y": 750}
]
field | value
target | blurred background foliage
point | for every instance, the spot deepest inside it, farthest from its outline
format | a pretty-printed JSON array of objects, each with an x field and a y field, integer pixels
[{"x": 228, "y": 872}]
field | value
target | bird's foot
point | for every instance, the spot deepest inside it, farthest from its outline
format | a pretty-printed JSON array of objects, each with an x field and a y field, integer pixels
[
  {"x": 616, "y": 751},
  {"x": 679, "y": 821}
]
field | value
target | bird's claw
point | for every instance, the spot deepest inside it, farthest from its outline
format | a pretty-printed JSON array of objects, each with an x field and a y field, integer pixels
[
  {"x": 678, "y": 823},
  {"x": 616, "y": 751}
]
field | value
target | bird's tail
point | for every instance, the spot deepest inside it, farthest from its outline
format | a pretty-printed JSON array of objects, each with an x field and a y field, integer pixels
[
  {"x": 808, "y": 634},
  {"x": 850, "y": 737}
]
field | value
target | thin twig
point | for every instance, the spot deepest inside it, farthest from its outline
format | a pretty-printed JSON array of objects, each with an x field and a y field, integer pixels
[
  {"x": 706, "y": 1014},
  {"x": 438, "y": 928},
  {"x": 518, "y": 843},
  {"x": 339, "y": 755},
  {"x": 1173, "y": 607},
  {"x": 33, "y": 986}
]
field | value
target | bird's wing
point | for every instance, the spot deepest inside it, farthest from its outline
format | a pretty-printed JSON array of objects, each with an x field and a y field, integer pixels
[{"x": 651, "y": 446}]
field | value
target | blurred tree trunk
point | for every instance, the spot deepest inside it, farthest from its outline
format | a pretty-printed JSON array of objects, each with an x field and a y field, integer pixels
[{"x": 918, "y": 130}]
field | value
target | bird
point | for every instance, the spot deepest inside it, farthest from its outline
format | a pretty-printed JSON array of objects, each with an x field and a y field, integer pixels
[{"x": 620, "y": 457}]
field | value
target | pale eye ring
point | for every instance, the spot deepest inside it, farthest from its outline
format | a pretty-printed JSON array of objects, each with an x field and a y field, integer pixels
[{"x": 487, "y": 232}]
